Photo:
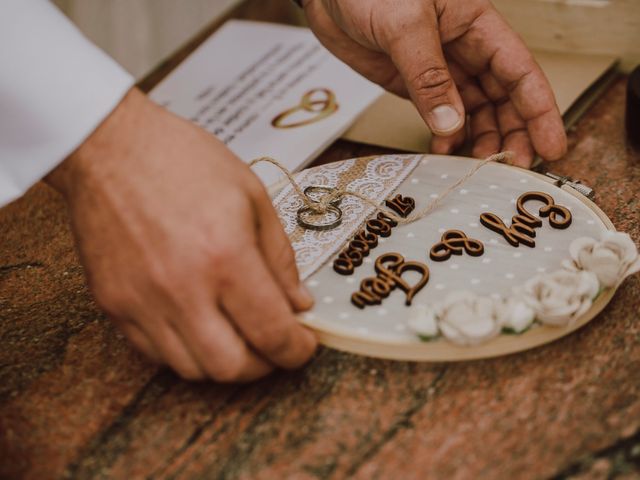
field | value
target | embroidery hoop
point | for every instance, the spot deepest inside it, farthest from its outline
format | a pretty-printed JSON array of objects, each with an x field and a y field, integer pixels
[{"x": 443, "y": 351}]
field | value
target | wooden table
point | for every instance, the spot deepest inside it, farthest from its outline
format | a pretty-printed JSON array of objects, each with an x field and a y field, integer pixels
[{"x": 76, "y": 401}]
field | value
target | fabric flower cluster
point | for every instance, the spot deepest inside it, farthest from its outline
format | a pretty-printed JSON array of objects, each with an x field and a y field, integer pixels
[{"x": 555, "y": 299}]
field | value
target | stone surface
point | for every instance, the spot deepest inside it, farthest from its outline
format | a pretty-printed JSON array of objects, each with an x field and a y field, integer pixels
[{"x": 76, "y": 401}]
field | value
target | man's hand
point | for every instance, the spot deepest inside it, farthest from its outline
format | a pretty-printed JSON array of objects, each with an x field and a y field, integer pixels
[
  {"x": 182, "y": 247},
  {"x": 450, "y": 57}
]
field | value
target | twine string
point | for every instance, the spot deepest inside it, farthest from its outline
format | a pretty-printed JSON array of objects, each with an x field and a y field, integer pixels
[{"x": 321, "y": 205}]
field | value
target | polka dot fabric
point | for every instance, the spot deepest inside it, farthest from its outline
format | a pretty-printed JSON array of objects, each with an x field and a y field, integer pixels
[{"x": 492, "y": 189}]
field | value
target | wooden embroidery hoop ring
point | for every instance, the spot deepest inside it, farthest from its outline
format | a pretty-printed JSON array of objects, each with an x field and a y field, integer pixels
[{"x": 441, "y": 350}]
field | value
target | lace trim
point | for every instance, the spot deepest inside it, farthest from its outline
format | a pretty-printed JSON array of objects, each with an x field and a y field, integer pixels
[{"x": 375, "y": 177}]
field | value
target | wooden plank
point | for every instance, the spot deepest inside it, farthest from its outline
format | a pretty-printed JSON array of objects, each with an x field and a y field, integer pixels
[{"x": 580, "y": 26}]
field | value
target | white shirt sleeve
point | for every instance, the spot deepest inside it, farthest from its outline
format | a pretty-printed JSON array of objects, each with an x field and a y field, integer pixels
[{"x": 55, "y": 89}]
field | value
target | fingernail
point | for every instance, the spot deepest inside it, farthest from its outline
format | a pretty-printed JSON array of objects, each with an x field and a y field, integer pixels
[
  {"x": 444, "y": 119},
  {"x": 305, "y": 295}
]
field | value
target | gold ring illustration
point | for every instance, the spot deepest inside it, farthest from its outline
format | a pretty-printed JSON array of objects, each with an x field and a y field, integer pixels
[{"x": 320, "y": 107}]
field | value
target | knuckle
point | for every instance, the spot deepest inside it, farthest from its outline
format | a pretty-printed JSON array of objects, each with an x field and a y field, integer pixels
[
  {"x": 222, "y": 253},
  {"x": 274, "y": 341},
  {"x": 410, "y": 17},
  {"x": 225, "y": 364},
  {"x": 433, "y": 83}
]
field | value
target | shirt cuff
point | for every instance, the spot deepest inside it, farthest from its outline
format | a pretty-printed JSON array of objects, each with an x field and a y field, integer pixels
[{"x": 56, "y": 87}]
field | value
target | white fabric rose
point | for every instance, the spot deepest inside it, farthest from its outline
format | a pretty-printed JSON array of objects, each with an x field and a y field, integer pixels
[
  {"x": 612, "y": 259},
  {"x": 467, "y": 319},
  {"x": 515, "y": 314},
  {"x": 422, "y": 321},
  {"x": 560, "y": 297}
]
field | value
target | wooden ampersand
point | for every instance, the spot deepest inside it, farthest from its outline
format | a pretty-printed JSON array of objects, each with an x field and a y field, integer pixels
[
  {"x": 403, "y": 206},
  {"x": 389, "y": 268},
  {"x": 455, "y": 242},
  {"x": 559, "y": 216}
]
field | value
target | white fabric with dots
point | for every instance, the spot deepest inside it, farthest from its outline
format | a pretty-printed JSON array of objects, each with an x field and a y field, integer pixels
[{"x": 493, "y": 188}]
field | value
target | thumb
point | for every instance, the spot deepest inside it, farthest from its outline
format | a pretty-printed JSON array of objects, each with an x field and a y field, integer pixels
[{"x": 414, "y": 48}]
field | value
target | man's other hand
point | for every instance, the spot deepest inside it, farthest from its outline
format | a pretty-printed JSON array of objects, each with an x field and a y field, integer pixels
[
  {"x": 182, "y": 247},
  {"x": 452, "y": 58}
]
